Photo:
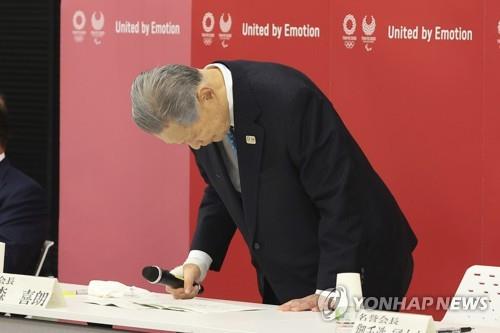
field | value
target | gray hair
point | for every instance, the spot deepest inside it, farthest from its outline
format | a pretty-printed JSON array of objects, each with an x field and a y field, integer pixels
[{"x": 163, "y": 94}]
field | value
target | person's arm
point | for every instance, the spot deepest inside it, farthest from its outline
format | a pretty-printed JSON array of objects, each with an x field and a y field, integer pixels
[
  {"x": 331, "y": 168},
  {"x": 194, "y": 269},
  {"x": 215, "y": 227},
  {"x": 211, "y": 239}
]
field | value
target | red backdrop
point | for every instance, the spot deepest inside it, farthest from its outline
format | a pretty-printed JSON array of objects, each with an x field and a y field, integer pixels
[
  {"x": 490, "y": 246},
  {"x": 124, "y": 195},
  {"x": 415, "y": 107},
  {"x": 425, "y": 111}
]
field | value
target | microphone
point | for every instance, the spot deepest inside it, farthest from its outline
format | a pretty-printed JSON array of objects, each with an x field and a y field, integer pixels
[{"x": 156, "y": 275}]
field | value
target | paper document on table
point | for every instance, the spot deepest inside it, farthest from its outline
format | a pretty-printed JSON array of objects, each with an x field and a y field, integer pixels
[
  {"x": 122, "y": 302},
  {"x": 166, "y": 302},
  {"x": 197, "y": 305}
]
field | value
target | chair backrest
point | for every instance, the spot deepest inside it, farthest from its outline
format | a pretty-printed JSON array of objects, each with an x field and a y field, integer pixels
[
  {"x": 43, "y": 255},
  {"x": 479, "y": 281}
]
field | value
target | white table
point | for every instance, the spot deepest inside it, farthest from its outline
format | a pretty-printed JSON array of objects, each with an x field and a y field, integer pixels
[{"x": 268, "y": 319}]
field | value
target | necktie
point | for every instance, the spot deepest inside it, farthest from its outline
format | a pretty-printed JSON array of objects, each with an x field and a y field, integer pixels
[{"x": 232, "y": 140}]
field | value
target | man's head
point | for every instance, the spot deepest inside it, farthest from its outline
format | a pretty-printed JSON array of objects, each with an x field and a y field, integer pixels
[
  {"x": 181, "y": 104},
  {"x": 4, "y": 126}
]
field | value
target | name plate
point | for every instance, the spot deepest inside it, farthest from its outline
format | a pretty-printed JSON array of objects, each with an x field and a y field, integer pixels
[
  {"x": 2, "y": 256},
  {"x": 370, "y": 321},
  {"x": 30, "y": 291}
]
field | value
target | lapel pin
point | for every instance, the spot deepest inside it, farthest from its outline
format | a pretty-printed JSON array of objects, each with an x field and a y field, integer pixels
[{"x": 250, "y": 139}]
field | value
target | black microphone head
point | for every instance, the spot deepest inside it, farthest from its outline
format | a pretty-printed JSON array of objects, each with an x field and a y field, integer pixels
[{"x": 152, "y": 273}]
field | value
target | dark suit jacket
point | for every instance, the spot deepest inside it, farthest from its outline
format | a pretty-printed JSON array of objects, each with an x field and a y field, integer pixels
[
  {"x": 311, "y": 206},
  {"x": 23, "y": 219}
]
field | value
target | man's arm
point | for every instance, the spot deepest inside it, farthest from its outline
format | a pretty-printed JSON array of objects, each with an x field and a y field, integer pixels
[
  {"x": 211, "y": 239},
  {"x": 332, "y": 170},
  {"x": 215, "y": 227}
]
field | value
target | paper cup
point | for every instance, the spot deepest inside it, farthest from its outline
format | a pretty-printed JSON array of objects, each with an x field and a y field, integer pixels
[{"x": 349, "y": 285}]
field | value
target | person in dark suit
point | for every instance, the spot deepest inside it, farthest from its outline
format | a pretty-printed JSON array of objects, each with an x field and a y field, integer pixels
[
  {"x": 23, "y": 211},
  {"x": 282, "y": 168}
]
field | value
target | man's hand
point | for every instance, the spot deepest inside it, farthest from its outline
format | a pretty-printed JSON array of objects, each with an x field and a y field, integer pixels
[
  {"x": 302, "y": 304},
  {"x": 191, "y": 274}
]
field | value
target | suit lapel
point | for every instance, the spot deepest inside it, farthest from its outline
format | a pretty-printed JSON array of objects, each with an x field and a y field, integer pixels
[
  {"x": 220, "y": 171},
  {"x": 249, "y": 151},
  {"x": 249, "y": 141},
  {"x": 4, "y": 165},
  {"x": 213, "y": 163}
]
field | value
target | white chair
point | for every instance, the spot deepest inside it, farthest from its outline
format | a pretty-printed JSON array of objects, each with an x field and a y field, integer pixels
[
  {"x": 478, "y": 281},
  {"x": 43, "y": 255}
]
